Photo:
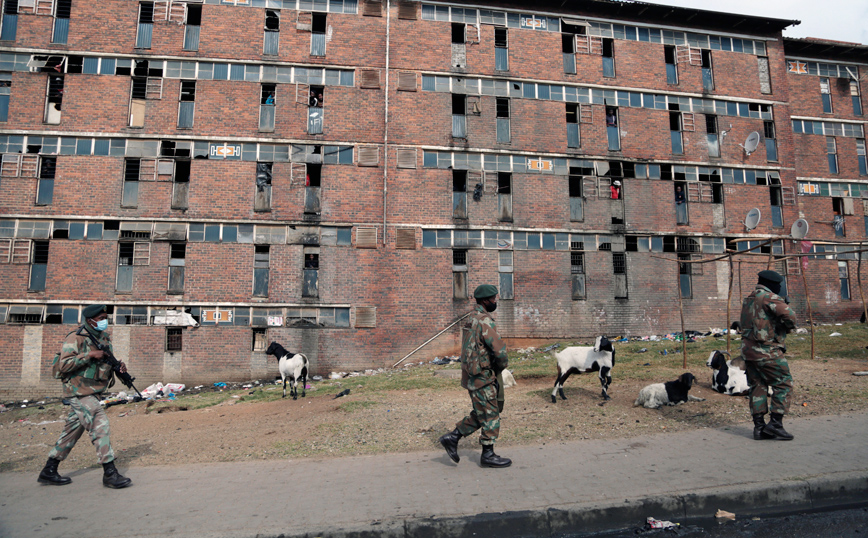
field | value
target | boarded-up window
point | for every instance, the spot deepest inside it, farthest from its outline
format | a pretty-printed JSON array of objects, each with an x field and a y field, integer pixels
[
  {"x": 366, "y": 238},
  {"x": 406, "y": 157},
  {"x": 373, "y": 8},
  {"x": 764, "y": 78},
  {"x": 369, "y": 156},
  {"x": 366, "y": 316},
  {"x": 408, "y": 10},
  {"x": 405, "y": 238},
  {"x": 459, "y": 285},
  {"x": 407, "y": 81},
  {"x": 370, "y": 78}
]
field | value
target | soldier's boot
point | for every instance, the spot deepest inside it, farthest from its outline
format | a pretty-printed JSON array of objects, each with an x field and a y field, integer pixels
[
  {"x": 775, "y": 427},
  {"x": 490, "y": 459},
  {"x": 450, "y": 443},
  {"x": 49, "y": 475},
  {"x": 759, "y": 428},
  {"x": 111, "y": 478}
]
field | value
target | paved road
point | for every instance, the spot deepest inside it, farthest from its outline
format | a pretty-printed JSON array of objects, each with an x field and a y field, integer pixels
[{"x": 554, "y": 489}]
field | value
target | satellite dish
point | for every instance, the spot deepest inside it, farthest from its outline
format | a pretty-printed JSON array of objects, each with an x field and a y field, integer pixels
[
  {"x": 751, "y": 143},
  {"x": 752, "y": 218},
  {"x": 799, "y": 229}
]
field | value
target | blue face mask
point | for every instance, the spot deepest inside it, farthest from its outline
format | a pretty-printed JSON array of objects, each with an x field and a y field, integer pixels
[{"x": 102, "y": 325}]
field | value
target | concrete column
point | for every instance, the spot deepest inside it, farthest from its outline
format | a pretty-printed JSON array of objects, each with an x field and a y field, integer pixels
[{"x": 31, "y": 355}]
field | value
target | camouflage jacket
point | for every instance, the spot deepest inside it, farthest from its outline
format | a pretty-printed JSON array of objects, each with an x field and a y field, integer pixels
[
  {"x": 84, "y": 376},
  {"x": 765, "y": 321},
  {"x": 483, "y": 353}
]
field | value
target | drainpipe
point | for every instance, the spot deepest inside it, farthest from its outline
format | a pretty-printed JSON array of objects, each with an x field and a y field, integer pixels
[{"x": 386, "y": 121}]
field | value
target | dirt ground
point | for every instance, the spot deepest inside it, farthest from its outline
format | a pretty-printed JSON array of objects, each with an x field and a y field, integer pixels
[{"x": 365, "y": 422}]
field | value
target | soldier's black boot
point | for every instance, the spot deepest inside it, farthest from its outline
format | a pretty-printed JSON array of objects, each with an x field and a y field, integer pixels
[
  {"x": 111, "y": 478},
  {"x": 49, "y": 475},
  {"x": 759, "y": 428},
  {"x": 490, "y": 459},
  {"x": 450, "y": 443},
  {"x": 775, "y": 427}
]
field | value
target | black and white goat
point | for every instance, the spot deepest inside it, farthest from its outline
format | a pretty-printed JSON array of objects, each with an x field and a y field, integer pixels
[
  {"x": 291, "y": 365},
  {"x": 579, "y": 359},
  {"x": 727, "y": 377},
  {"x": 669, "y": 393}
]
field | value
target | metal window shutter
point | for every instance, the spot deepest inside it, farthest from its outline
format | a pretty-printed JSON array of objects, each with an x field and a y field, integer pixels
[
  {"x": 706, "y": 193},
  {"x": 373, "y": 8},
  {"x": 369, "y": 156},
  {"x": 595, "y": 44},
  {"x": 408, "y": 10},
  {"x": 369, "y": 78},
  {"x": 304, "y": 22},
  {"x": 29, "y": 165},
  {"x": 10, "y": 166},
  {"x": 693, "y": 192},
  {"x": 302, "y": 94},
  {"x": 141, "y": 254},
  {"x": 406, "y": 157},
  {"x": 161, "y": 10},
  {"x": 793, "y": 266},
  {"x": 297, "y": 173},
  {"x": 696, "y": 268},
  {"x": 848, "y": 206},
  {"x": 489, "y": 184},
  {"x": 586, "y": 113},
  {"x": 154, "y": 88},
  {"x": 583, "y": 44},
  {"x": 366, "y": 316},
  {"x": 366, "y": 238},
  {"x": 405, "y": 238},
  {"x": 178, "y": 12},
  {"x": 688, "y": 121},
  {"x": 165, "y": 169},
  {"x": 45, "y": 7},
  {"x": 788, "y": 194},
  {"x": 471, "y": 34},
  {"x": 148, "y": 170},
  {"x": 589, "y": 188},
  {"x": 21, "y": 251},
  {"x": 407, "y": 81},
  {"x": 5, "y": 250}
]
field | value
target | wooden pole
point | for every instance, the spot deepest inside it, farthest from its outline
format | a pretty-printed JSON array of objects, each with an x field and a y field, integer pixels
[
  {"x": 681, "y": 311},
  {"x": 859, "y": 280},
  {"x": 810, "y": 312},
  {"x": 728, "y": 302}
]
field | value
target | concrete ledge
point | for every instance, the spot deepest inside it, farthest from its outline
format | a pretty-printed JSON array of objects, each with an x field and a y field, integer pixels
[
  {"x": 763, "y": 498},
  {"x": 843, "y": 489},
  {"x": 523, "y": 524},
  {"x": 607, "y": 515}
]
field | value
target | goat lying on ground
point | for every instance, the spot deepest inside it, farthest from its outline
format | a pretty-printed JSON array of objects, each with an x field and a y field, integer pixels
[
  {"x": 291, "y": 365},
  {"x": 669, "y": 393},
  {"x": 727, "y": 377},
  {"x": 576, "y": 360}
]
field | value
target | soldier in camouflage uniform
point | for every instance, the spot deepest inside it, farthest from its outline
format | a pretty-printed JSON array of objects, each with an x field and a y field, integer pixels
[
  {"x": 483, "y": 359},
  {"x": 84, "y": 376},
  {"x": 766, "y": 318}
]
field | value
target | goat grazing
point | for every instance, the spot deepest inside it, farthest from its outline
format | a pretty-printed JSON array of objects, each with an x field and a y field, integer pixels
[
  {"x": 291, "y": 365},
  {"x": 576, "y": 360},
  {"x": 669, "y": 393},
  {"x": 727, "y": 377}
]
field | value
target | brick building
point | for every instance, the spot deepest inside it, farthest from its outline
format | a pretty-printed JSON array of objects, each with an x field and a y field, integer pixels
[{"x": 339, "y": 175}]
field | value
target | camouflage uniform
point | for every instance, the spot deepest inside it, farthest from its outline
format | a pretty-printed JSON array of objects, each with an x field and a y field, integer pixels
[
  {"x": 765, "y": 321},
  {"x": 483, "y": 358},
  {"x": 83, "y": 379}
]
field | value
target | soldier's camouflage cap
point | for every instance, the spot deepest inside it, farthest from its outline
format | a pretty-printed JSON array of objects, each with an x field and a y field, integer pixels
[
  {"x": 484, "y": 291},
  {"x": 771, "y": 276},
  {"x": 93, "y": 310}
]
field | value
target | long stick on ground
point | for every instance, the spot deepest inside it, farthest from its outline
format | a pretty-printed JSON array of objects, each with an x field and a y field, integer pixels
[{"x": 432, "y": 338}]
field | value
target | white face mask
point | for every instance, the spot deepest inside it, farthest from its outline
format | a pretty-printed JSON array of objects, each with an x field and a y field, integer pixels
[{"x": 102, "y": 325}]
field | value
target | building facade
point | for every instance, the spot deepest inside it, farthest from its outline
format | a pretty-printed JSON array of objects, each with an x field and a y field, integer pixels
[{"x": 339, "y": 175}]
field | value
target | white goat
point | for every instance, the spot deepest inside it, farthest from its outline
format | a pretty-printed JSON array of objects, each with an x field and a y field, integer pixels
[
  {"x": 576, "y": 360},
  {"x": 727, "y": 377},
  {"x": 669, "y": 393},
  {"x": 293, "y": 366}
]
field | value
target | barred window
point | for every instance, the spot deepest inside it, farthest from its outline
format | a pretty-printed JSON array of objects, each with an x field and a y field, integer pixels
[
  {"x": 619, "y": 263},
  {"x": 174, "y": 339}
]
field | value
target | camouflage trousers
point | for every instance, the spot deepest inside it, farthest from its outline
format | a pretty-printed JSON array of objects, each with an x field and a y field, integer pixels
[
  {"x": 85, "y": 413},
  {"x": 485, "y": 415},
  {"x": 765, "y": 373}
]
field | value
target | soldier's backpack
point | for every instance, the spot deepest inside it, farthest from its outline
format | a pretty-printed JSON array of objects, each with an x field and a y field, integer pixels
[{"x": 55, "y": 364}]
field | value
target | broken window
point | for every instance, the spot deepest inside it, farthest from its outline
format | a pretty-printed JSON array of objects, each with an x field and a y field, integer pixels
[
  {"x": 861, "y": 158},
  {"x": 577, "y": 201},
  {"x": 501, "y": 49},
  {"x": 315, "y": 114},
  {"x": 776, "y": 200},
  {"x": 267, "y": 107},
  {"x": 681, "y": 215},
  {"x": 684, "y": 276},
  {"x": 504, "y": 196},
  {"x": 45, "y": 186},
  {"x": 132, "y": 171},
  {"x": 54, "y": 99},
  {"x": 318, "y": 35},
  {"x": 459, "y": 115},
  {"x": 272, "y": 32},
  {"x": 676, "y": 136},
  {"x": 612, "y": 132},
  {"x": 459, "y": 274},
  {"x": 459, "y": 194},
  {"x": 505, "y": 269},
  {"x": 707, "y": 73},
  {"x": 177, "y": 261},
  {"x": 260, "y": 270},
  {"x": 573, "y": 133},
  {"x": 832, "y": 154},
  {"x": 125, "y": 266},
  {"x": 262, "y": 195},
  {"x": 458, "y": 33},
  {"x": 312, "y": 189},
  {"x": 619, "y": 272},
  {"x": 25, "y": 313},
  {"x": 186, "y": 104},
  {"x": 712, "y": 137},
  {"x": 568, "y": 46},
  {"x": 577, "y": 273},
  {"x": 260, "y": 339},
  {"x": 671, "y": 64},
  {"x": 502, "y": 119},
  {"x": 38, "y": 266},
  {"x": 191, "y": 29},
  {"x": 608, "y": 57},
  {"x": 844, "y": 277},
  {"x": 181, "y": 185},
  {"x": 826, "y": 94},
  {"x": 5, "y": 90},
  {"x": 310, "y": 272},
  {"x": 771, "y": 143},
  {"x": 60, "y": 32},
  {"x": 856, "y": 97},
  {"x": 10, "y": 20},
  {"x": 146, "y": 25}
]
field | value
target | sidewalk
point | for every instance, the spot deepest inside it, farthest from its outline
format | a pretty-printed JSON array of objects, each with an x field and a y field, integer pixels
[{"x": 550, "y": 490}]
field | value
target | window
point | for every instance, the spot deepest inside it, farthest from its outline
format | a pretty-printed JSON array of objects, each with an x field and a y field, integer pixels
[
  {"x": 5, "y": 90},
  {"x": 861, "y": 158},
  {"x": 458, "y": 33},
  {"x": 177, "y": 255},
  {"x": 272, "y": 32},
  {"x": 841, "y": 207},
  {"x": 832, "y": 154},
  {"x": 315, "y": 110},
  {"x": 844, "y": 277},
  {"x": 38, "y": 266},
  {"x": 505, "y": 268},
  {"x": 186, "y": 104},
  {"x": 577, "y": 201},
  {"x": 502, "y": 105},
  {"x": 712, "y": 135},
  {"x": 54, "y": 99},
  {"x": 501, "y": 49},
  {"x": 459, "y": 274},
  {"x": 826, "y": 95},
  {"x": 684, "y": 276},
  {"x": 681, "y": 214},
  {"x": 771, "y": 143},
  {"x": 181, "y": 185},
  {"x": 10, "y": 20},
  {"x": 45, "y": 187},
  {"x": 312, "y": 189},
  {"x": 776, "y": 200},
  {"x": 707, "y": 73},
  {"x": 310, "y": 272},
  {"x": 60, "y": 32},
  {"x": 132, "y": 170},
  {"x": 174, "y": 339},
  {"x": 608, "y": 57},
  {"x": 671, "y": 64},
  {"x": 675, "y": 128},
  {"x": 568, "y": 45},
  {"x": 25, "y": 314},
  {"x": 619, "y": 270},
  {"x": 318, "y": 35},
  {"x": 857, "y": 99},
  {"x": 130, "y": 254},
  {"x": 574, "y": 139},
  {"x": 764, "y": 74},
  {"x": 146, "y": 25},
  {"x": 260, "y": 270},
  {"x": 504, "y": 196},
  {"x": 612, "y": 132},
  {"x": 459, "y": 115},
  {"x": 260, "y": 339},
  {"x": 459, "y": 194},
  {"x": 577, "y": 272},
  {"x": 262, "y": 195},
  {"x": 191, "y": 30}
]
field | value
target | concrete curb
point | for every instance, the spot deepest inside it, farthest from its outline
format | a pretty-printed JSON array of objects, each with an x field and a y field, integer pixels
[{"x": 840, "y": 490}]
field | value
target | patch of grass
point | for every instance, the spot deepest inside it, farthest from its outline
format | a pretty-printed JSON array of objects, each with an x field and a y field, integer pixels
[{"x": 349, "y": 407}]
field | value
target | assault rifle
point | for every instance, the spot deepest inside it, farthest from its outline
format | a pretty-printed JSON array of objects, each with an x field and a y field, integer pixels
[{"x": 112, "y": 361}]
